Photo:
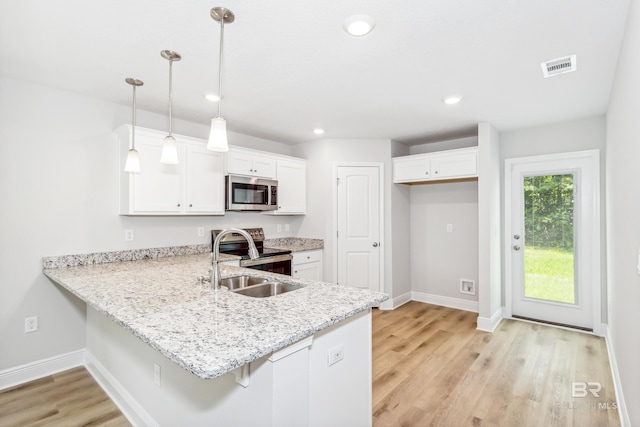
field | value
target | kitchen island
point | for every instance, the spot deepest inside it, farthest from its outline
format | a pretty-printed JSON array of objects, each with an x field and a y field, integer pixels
[{"x": 234, "y": 360}]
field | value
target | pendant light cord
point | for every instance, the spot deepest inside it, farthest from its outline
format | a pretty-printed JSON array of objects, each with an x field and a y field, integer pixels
[
  {"x": 170, "y": 96},
  {"x": 133, "y": 120},
  {"x": 220, "y": 65}
]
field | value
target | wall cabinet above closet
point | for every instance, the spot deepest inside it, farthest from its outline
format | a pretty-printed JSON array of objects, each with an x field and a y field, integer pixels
[
  {"x": 195, "y": 186},
  {"x": 442, "y": 165}
]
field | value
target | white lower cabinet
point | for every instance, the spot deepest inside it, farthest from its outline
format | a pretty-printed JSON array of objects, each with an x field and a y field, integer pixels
[
  {"x": 452, "y": 164},
  {"x": 195, "y": 186},
  {"x": 307, "y": 265}
]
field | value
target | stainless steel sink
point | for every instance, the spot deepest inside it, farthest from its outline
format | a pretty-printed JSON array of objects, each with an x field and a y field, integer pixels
[
  {"x": 267, "y": 289},
  {"x": 239, "y": 282}
]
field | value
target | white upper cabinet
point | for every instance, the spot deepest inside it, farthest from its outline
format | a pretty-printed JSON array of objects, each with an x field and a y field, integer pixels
[
  {"x": 195, "y": 186},
  {"x": 205, "y": 181},
  {"x": 250, "y": 163},
  {"x": 292, "y": 187},
  {"x": 452, "y": 164}
]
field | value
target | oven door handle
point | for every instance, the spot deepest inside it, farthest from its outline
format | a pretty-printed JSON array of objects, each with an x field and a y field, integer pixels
[{"x": 265, "y": 260}]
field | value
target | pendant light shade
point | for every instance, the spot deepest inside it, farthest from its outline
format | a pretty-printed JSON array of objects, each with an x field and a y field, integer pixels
[
  {"x": 218, "y": 134},
  {"x": 169, "y": 147},
  {"x": 133, "y": 161},
  {"x": 169, "y": 151},
  {"x": 133, "y": 158}
]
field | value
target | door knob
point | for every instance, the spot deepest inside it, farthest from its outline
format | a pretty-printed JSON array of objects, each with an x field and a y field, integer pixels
[
  {"x": 516, "y": 247},
  {"x": 375, "y": 244},
  {"x": 516, "y": 236}
]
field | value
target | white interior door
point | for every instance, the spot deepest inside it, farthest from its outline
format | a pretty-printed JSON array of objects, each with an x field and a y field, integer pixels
[
  {"x": 359, "y": 252},
  {"x": 553, "y": 239}
]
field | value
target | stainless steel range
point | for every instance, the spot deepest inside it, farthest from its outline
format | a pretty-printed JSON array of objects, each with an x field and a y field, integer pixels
[{"x": 272, "y": 260}]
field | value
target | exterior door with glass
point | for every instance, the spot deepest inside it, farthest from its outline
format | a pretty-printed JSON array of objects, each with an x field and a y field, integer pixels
[{"x": 553, "y": 239}]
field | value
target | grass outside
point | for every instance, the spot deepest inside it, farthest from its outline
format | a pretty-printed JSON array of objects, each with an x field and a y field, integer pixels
[{"x": 548, "y": 274}]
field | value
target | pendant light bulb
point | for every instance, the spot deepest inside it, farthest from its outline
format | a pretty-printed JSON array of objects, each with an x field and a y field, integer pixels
[
  {"x": 132, "y": 164},
  {"x": 169, "y": 146},
  {"x": 218, "y": 134}
]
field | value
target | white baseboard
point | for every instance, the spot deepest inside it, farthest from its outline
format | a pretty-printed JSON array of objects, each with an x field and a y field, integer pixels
[
  {"x": 393, "y": 303},
  {"x": 458, "y": 303},
  {"x": 131, "y": 409},
  {"x": 625, "y": 421},
  {"x": 490, "y": 324},
  {"x": 41, "y": 368}
]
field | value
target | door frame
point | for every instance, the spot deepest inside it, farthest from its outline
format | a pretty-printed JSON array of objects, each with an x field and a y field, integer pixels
[
  {"x": 595, "y": 270},
  {"x": 334, "y": 210}
]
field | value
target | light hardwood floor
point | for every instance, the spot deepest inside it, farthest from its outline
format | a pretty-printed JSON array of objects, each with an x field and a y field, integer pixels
[
  {"x": 67, "y": 399},
  {"x": 431, "y": 367}
]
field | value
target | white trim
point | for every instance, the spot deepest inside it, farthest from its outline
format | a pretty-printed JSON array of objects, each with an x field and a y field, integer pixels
[
  {"x": 41, "y": 368},
  {"x": 490, "y": 324},
  {"x": 625, "y": 421},
  {"x": 131, "y": 409},
  {"x": 457, "y": 303},
  {"x": 594, "y": 156},
  {"x": 393, "y": 303},
  {"x": 334, "y": 202}
]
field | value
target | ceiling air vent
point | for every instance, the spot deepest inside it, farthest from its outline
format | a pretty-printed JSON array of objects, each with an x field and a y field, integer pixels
[{"x": 558, "y": 66}]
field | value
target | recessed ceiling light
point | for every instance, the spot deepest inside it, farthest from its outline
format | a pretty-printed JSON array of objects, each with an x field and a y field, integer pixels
[
  {"x": 212, "y": 97},
  {"x": 452, "y": 99},
  {"x": 359, "y": 25},
  {"x": 318, "y": 131}
]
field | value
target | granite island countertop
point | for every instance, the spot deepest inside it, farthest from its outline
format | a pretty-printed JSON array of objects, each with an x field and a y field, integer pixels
[{"x": 205, "y": 332}]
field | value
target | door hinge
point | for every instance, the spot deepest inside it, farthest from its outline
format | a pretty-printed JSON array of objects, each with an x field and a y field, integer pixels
[
  {"x": 337, "y": 233},
  {"x": 337, "y": 181}
]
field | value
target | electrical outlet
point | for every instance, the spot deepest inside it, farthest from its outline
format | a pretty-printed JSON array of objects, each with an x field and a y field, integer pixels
[
  {"x": 335, "y": 354},
  {"x": 279, "y": 228},
  {"x": 30, "y": 324},
  {"x": 157, "y": 377},
  {"x": 449, "y": 228},
  {"x": 128, "y": 235},
  {"x": 200, "y": 231}
]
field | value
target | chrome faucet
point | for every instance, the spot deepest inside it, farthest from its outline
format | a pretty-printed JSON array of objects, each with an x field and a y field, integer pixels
[{"x": 215, "y": 254}]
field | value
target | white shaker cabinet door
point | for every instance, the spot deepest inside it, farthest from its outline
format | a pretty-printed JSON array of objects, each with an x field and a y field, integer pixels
[
  {"x": 205, "y": 182},
  {"x": 158, "y": 187}
]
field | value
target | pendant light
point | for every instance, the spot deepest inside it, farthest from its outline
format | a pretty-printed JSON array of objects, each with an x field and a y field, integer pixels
[
  {"x": 169, "y": 147},
  {"x": 133, "y": 159},
  {"x": 218, "y": 134}
]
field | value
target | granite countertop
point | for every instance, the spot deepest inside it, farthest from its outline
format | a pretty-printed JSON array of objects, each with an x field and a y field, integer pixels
[
  {"x": 205, "y": 332},
  {"x": 294, "y": 244}
]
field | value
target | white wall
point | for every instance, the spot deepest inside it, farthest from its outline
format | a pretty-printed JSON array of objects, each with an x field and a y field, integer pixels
[
  {"x": 439, "y": 259},
  {"x": 623, "y": 214},
  {"x": 59, "y": 187}
]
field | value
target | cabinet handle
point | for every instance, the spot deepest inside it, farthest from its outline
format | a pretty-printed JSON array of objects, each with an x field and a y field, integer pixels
[
  {"x": 308, "y": 257},
  {"x": 436, "y": 172},
  {"x": 178, "y": 204},
  {"x": 375, "y": 244},
  {"x": 295, "y": 271},
  {"x": 426, "y": 173},
  {"x": 190, "y": 205}
]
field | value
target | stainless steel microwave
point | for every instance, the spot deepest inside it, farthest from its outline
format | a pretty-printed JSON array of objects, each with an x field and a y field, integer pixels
[{"x": 245, "y": 193}]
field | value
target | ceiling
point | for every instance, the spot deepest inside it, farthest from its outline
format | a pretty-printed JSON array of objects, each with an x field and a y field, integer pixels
[{"x": 290, "y": 67}]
